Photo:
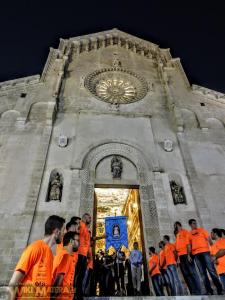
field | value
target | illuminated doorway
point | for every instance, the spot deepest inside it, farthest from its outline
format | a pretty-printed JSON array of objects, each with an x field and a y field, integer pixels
[{"x": 110, "y": 202}]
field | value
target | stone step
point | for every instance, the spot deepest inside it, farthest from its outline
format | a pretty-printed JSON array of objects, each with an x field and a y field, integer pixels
[
  {"x": 4, "y": 295},
  {"x": 214, "y": 297}
]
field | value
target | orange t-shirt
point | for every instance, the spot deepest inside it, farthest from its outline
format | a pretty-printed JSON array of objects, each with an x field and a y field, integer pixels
[
  {"x": 182, "y": 240},
  {"x": 59, "y": 247},
  {"x": 219, "y": 245},
  {"x": 198, "y": 240},
  {"x": 169, "y": 254},
  {"x": 36, "y": 263},
  {"x": 64, "y": 264},
  {"x": 85, "y": 239},
  {"x": 154, "y": 259},
  {"x": 162, "y": 257}
]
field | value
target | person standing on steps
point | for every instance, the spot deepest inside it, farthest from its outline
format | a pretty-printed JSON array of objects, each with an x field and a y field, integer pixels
[
  {"x": 136, "y": 262},
  {"x": 187, "y": 264},
  {"x": 200, "y": 243}
]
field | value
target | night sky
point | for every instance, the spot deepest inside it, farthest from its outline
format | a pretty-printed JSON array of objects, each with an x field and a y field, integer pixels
[{"x": 194, "y": 31}]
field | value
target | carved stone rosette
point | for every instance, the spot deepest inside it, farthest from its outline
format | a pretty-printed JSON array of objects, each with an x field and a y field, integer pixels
[{"x": 116, "y": 85}]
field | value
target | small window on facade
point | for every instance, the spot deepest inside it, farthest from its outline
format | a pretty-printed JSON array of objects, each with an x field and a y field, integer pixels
[
  {"x": 23, "y": 95},
  {"x": 202, "y": 104}
]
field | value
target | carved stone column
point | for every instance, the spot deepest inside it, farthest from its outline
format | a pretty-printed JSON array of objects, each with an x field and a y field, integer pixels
[{"x": 149, "y": 216}]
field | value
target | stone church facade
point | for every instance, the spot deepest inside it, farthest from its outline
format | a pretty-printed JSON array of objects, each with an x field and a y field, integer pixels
[{"x": 104, "y": 95}]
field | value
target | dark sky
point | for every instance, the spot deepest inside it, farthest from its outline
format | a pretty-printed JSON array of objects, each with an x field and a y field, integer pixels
[{"x": 194, "y": 31}]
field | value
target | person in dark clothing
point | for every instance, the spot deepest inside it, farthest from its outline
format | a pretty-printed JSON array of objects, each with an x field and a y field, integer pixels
[
  {"x": 96, "y": 275},
  {"x": 101, "y": 274},
  {"x": 108, "y": 286},
  {"x": 129, "y": 285},
  {"x": 119, "y": 272}
]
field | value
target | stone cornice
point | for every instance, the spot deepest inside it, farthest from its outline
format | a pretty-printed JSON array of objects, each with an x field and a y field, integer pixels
[
  {"x": 95, "y": 41},
  {"x": 20, "y": 83},
  {"x": 58, "y": 58},
  {"x": 114, "y": 37},
  {"x": 208, "y": 93},
  {"x": 177, "y": 64},
  {"x": 115, "y": 33},
  {"x": 53, "y": 55}
]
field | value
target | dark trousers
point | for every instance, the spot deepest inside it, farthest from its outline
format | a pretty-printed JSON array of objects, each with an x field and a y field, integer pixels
[
  {"x": 204, "y": 263},
  {"x": 166, "y": 281},
  {"x": 109, "y": 283},
  {"x": 119, "y": 276},
  {"x": 157, "y": 285},
  {"x": 190, "y": 274},
  {"x": 222, "y": 279},
  {"x": 87, "y": 282},
  {"x": 175, "y": 283},
  {"x": 165, "y": 278},
  {"x": 79, "y": 276}
]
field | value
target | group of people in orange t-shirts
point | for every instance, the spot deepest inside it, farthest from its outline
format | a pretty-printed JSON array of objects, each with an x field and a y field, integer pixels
[
  {"x": 39, "y": 274},
  {"x": 196, "y": 255}
]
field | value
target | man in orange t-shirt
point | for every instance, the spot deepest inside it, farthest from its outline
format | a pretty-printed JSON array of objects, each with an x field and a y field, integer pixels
[
  {"x": 187, "y": 264},
  {"x": 162, "y": 266},
  {"x": 63, "y": 268},
  {"x": 85, "y": 242},
  {"x": 200, "y": 241},
  {"x": 171, "y": 264},
  {"x": 70, "y": 226},
  {"x": 154, "y": 272},
  {"x": 33, "y": 273},
  {"x": 218, "y": 252}
]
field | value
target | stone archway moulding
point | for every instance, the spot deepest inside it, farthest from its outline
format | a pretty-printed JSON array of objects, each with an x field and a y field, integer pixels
[{"x": 145, "y": 179}]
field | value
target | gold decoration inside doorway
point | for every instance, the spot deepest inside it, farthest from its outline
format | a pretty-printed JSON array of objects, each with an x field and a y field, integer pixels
[{"x": 118, "y": 202}]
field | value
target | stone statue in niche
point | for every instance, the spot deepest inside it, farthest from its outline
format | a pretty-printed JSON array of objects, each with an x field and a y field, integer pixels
[
  {"x": 116, "y": 62},
  {"x": 55, "y": 188},
  {"x": 177, "y": 193},
  {"x": 116, "y": 167}
]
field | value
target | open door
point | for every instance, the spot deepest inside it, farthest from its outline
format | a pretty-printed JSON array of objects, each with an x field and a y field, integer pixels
[{"x": 120, "y": 201}]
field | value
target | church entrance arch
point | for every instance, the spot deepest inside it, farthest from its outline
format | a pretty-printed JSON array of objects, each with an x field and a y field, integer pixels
[{"x": 142, "y": 182}]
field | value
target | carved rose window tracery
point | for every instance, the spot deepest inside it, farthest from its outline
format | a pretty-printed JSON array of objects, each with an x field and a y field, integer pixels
[{"x": 116, "y": 85}]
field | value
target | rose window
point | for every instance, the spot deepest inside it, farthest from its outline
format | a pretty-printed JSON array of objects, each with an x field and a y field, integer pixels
[{"x": 116, "y": 85}]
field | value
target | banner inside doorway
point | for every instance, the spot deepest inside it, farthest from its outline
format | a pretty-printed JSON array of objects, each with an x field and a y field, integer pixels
[{"x": 116, "y": 232}]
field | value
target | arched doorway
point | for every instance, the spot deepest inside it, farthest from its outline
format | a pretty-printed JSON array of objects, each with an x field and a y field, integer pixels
[{"x": 142, "y": 181}]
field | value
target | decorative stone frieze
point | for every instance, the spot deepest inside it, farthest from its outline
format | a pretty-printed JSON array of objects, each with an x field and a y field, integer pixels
[
  {"x": 19, "y": 83},
  {"x": 208, "y": 93}
]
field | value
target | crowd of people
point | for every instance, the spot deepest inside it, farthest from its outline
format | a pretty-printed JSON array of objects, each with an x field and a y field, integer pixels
[
  {"x": 116, "y": 274},
  {"x": 73, "y": 272},
  {"x": 195, "y": 255}
]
